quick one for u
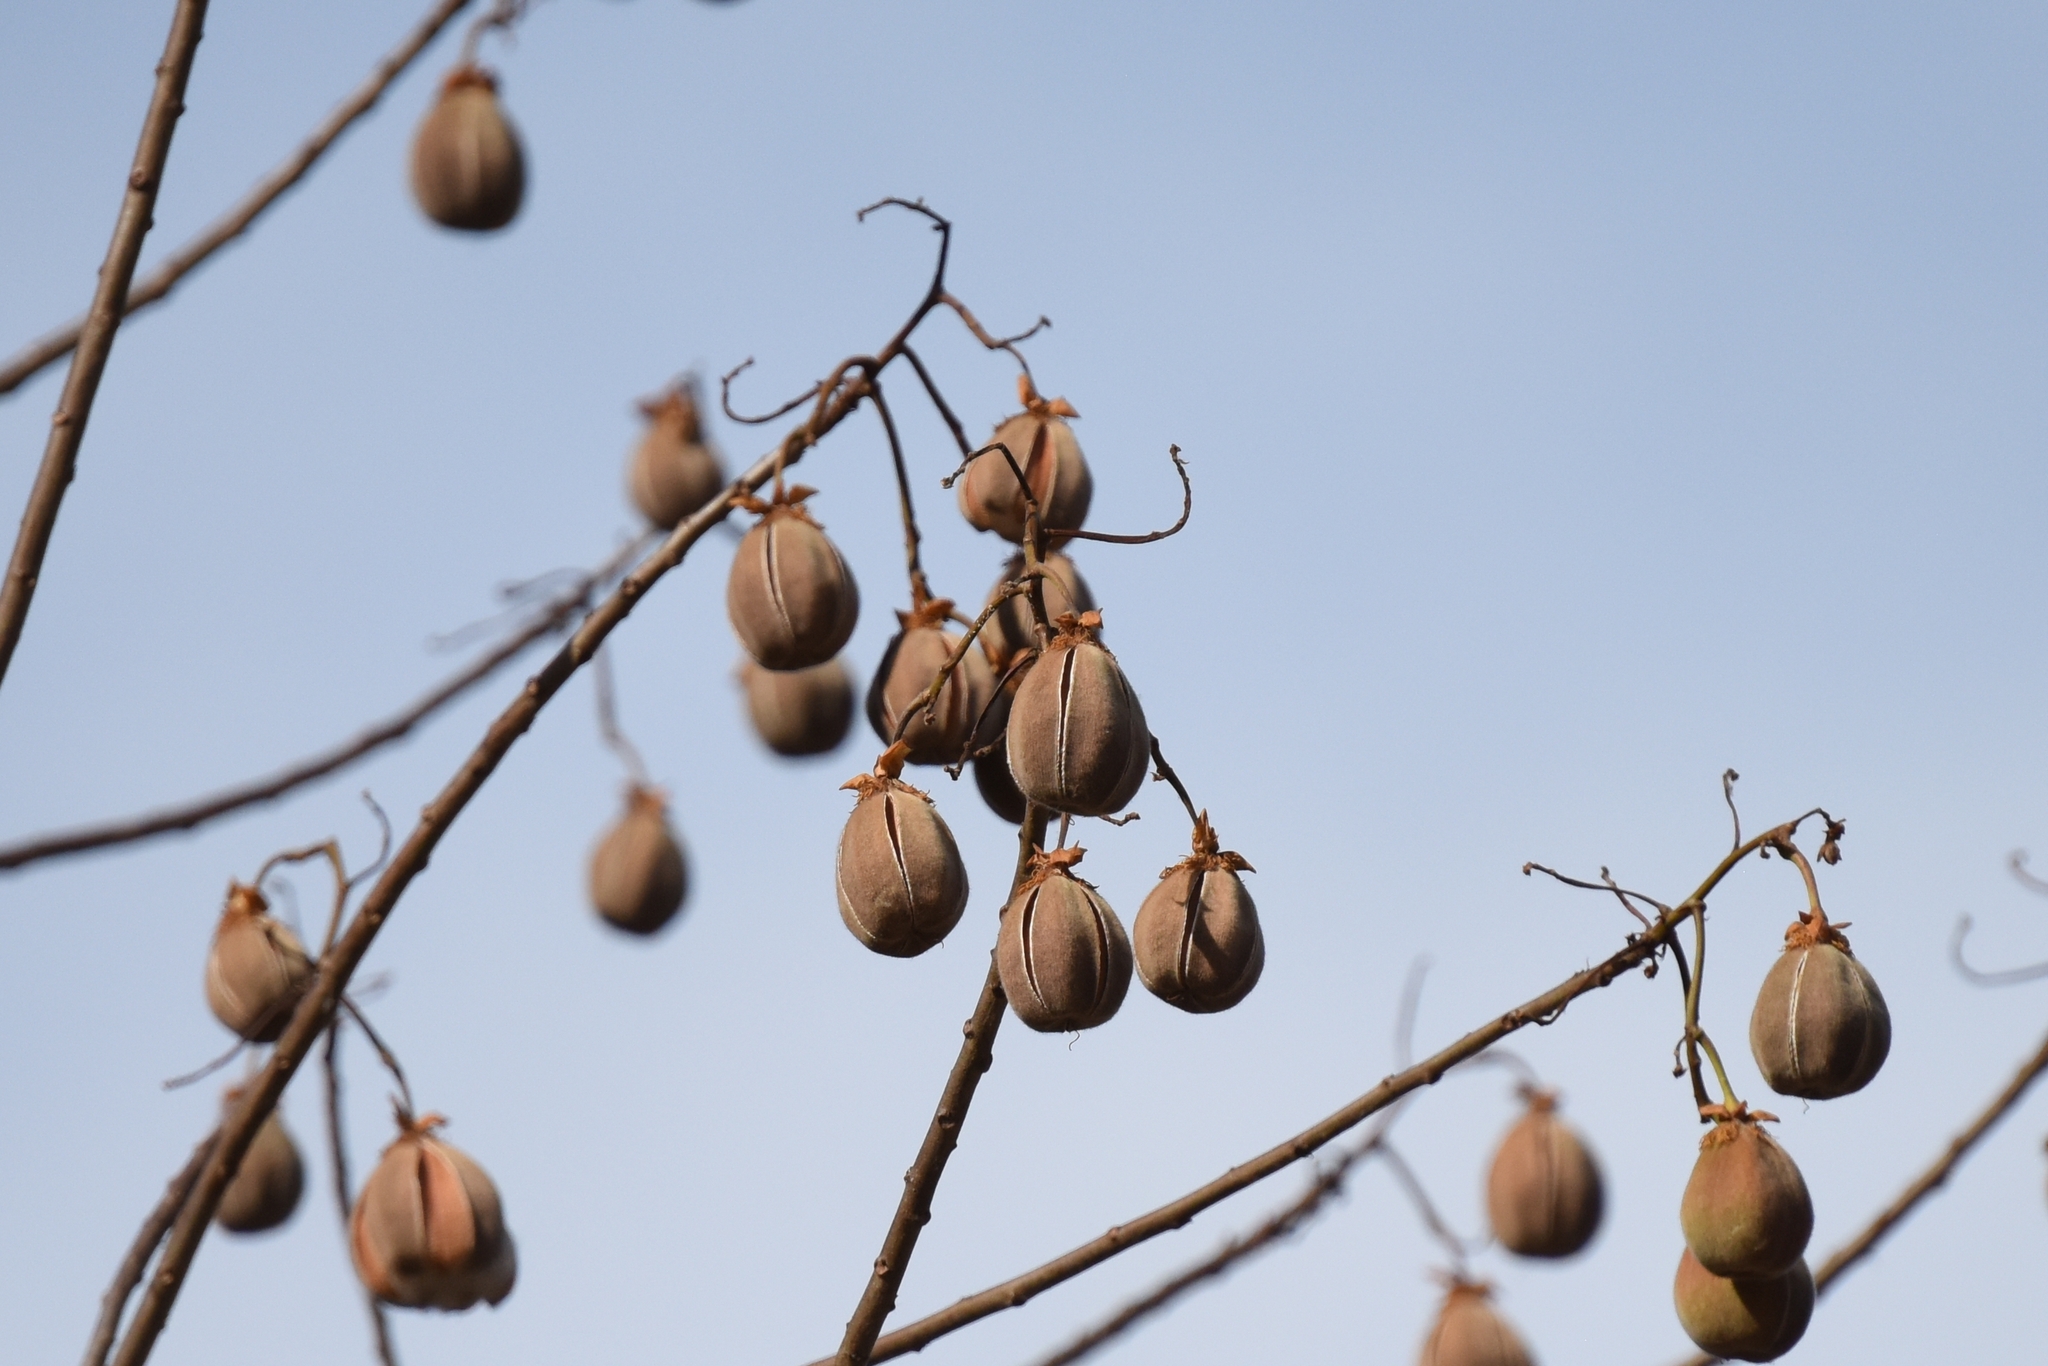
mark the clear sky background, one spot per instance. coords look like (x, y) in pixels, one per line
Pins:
(1581, 400)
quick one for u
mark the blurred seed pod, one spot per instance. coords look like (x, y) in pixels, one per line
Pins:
(1544, 1193)
(939, 733)
(1469, 1332)
(1061, 953)
(902, 885)
(1197, 937)
(1746, 1212)
(1077, 736)
(673, 472)
(265, 1189)
(638, 874)
(1820, 1028)
(1743, 1320)
(1011, 630)
(1043, 445)
(467, 168)
(799, 712)
(428, 1231)
(791, 598)
(257, 969)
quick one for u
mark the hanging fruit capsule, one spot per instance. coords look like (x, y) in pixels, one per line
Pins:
(467, 169)
(940, 732)
(673, 472)
(902, 885)
(992, 751)
(1743, 1320)
(1044, 448)
(1746, 1212)
(638, 875)
(1543, 1193)
(1469, 1332)
(265, 1189)
(799, 712)
(1011, 630)
(1820, 1028)
(428, 1231)
(791, 598)
(1077, 736)
(1197, 936)
(1061, 953)
(257, 969)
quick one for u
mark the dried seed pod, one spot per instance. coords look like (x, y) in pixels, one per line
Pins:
(1011, 630)
(1077, 735)
(1469, 1332)
(902, 885)
(638, 875)
(265, 1189)
(940, 732)
(1043, 446)
(428, 1231)
(1543, 1193)
(1820, 1028)
(673, 471)
(257, 969)
(791, 598)
(1061, 953)
(1197, 937)
(467, 168)
(1743, 1320)
(1746, 1212)
(797, 712)
(992, 751)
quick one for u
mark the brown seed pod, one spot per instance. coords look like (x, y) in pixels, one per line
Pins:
(638, 875)
(1746, 1320)
(902, 885)
(1011, 630)
(265, 1189)
(998, 789)
(428, 1231)
(257, 969)
(1820, 1028)
(1197, 938)
(940, 732)
(1746, 1212)
(467, 169)
(673, 472)
(791, 598)
(1469, 1332)
(1543, 1193)
(798, 712)
(1061, 953)
(1043, 446)
(1077, 735)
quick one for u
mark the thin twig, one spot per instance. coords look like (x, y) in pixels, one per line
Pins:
(920, 590)
(608, 720)
(1166, 774)
(2006, 978)
(384, 1053)
(939, 401)
(725, 398)
(1425, 1208)
(129, 1274)
(337, 1151)
(1728, 780)
(2018, 864)
(924, 700)
(1187, 506)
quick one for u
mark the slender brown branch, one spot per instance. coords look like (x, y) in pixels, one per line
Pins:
(931, 388)
(1167, 775)
(993, 343)
(129, 1274)
(337, 1152)
(608, 720)
(924, 700)
(920, 590)
(159, 282)
(2017, 863)
(725, 398)
(1187, 506)
(102, 321)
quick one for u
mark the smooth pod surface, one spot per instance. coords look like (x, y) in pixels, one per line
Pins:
(799, 712)
(1745, 1320)
(428, 1231)
(1044, 447)
(939, 733)
(1062, 955)
(1544, 1191)
(1011, 629)
(256, 970)
(1469, 1332)
(1077, 736)
(672, 472)
(468, 171)
(1746, 1212)
(1197, 938)
(1820, 1028)
(902, 884)
(638, 874)
(265, 1189)
(791, 599)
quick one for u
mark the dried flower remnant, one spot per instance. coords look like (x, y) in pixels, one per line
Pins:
(428, 1230)
(791, 599)
(1821, 1028)
(902, 884)
(1011, 630)
(265, 1189)
(468, 171)
(1043, 445)
(1197, 938)
(799, 712)
(1544, 1192)
(939, 733)
(257, 970)
(1077, 737)
(1757, 1319)
(1746, 1212)
(638, 873)
(673, 471)
(1062, 955)
(1468, 1332)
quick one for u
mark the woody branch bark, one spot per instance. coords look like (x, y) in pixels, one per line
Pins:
(102, 320)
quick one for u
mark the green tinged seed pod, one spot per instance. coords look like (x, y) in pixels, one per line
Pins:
(1543, 1193)
(1469, 1332)
(939, 733)
(257, 970)
(673, 471)
(1197, 938)
(1743, 1320)
(638, 874)
(902, 884)
(467, 169)
(1820, 1028)
(1061, 953)
(1077, 736)
(792, 600)
(1011, 630)
(265, 1189)
(428, 1230)
(1746, 1212)
(1043, 445)
(799, 712)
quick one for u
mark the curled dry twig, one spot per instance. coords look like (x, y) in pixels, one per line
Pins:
(1187, 506)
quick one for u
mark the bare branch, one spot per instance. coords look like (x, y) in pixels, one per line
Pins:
(129, 1274)
(337, 1152)
(1187, 505)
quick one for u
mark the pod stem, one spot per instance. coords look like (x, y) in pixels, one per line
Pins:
(1693, 1032)
(920, 588)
